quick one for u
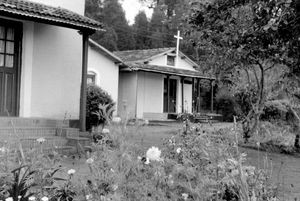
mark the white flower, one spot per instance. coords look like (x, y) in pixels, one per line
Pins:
(9, 199)
(105, 131)
(116, 120)
(31, 198)
(153, 154)
(88, 197)
(3, 149)
(185, 196)
(41, 140)
(178, 150)
(258, 144)
(114, 187)
(19, 197)
(44, 198)
(90, 161)
(146, 122)
(139, 158)
(147, 162)
(71, 171)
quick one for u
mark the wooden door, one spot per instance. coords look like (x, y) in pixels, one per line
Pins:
(9, 79)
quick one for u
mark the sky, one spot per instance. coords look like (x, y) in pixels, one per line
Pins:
(132, 8)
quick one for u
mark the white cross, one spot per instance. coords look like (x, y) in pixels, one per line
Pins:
(178, 37)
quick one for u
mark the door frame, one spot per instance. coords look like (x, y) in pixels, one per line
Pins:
(18, 26)
(166, 106)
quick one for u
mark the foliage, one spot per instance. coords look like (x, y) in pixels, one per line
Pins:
(96, 99)
(141, 31)
(197, 166)
(249, 38)
(227, 104)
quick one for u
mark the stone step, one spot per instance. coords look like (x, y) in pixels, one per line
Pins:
(32, 122)
(53, 142)
(74, 141)
(27, 132)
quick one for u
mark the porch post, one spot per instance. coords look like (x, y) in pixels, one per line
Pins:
(83, 91)
(182, 94)
(199, 96)
(212, 96)
(193, 95)
(168, 93)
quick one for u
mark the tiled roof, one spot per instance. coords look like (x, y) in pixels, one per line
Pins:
(140, 55)
(27, 10)
(163, 70)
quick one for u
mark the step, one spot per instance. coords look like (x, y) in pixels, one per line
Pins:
(32, 122)
(27, 132)
(74, 141)
(53, 142)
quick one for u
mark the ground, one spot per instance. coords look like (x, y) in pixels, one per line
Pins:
(285, 168)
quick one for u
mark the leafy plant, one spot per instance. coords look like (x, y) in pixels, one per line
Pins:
(99, 102)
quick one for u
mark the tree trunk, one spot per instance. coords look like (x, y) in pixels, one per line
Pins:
(297, 128)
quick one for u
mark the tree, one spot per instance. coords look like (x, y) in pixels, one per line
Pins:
(114, 17)
(248, 33)
(141, 31)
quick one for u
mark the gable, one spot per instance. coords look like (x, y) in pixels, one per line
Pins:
(184, 63)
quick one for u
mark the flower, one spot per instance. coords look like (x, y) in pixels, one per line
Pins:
(71, 171)
(147, 162)
(88, 197)
(114, 187)
(3, 149)
(139, 158)
(9, 199)
(116, 120)
(31, 198)
(153, 154)
(258, 144)
(105, 131)
(41, 140)
(146, 122)
(90, 161)
(44, 198)
(178, 150)
(185, 196)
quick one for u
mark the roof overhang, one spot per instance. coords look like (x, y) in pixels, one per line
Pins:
(164, 70)
(104, 51)
(31, 11)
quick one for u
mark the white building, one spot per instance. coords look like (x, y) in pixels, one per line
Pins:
(153, 86)
(43, 58)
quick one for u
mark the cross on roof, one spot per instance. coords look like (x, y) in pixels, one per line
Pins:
(178, 37)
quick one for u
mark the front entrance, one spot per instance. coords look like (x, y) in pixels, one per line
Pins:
(9, 67)
(170, 89)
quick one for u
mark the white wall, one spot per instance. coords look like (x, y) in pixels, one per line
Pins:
(73, 5)
(56, 72)
(127, 94)
(107, 73)
(162, 60)
(150, 93)
(26, 69)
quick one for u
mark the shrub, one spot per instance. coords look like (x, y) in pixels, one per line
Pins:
(227, 105)
(97, 97)
(275, 110)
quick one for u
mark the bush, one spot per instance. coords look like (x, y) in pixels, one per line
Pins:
(275, 110)
(95, 98)
(227, 105)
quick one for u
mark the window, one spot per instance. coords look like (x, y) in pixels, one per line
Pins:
(91, 78)
(170, 60)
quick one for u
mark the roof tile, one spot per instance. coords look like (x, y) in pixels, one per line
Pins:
(37, 11)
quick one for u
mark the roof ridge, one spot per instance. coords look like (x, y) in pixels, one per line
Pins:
(160, 48)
